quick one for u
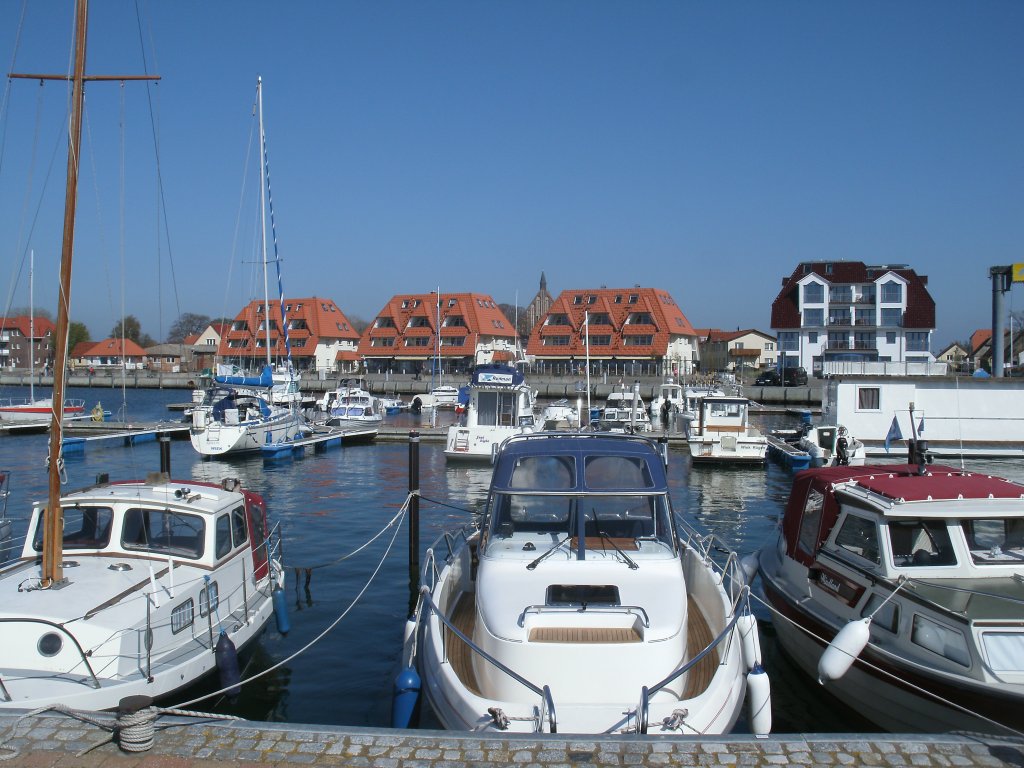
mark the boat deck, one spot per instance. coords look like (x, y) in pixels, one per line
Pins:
(698, 637)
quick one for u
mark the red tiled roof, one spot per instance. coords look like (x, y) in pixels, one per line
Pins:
(23, 324)
(112, 347)
(920, 305)
(667, 322)
(322, 318)
(478, 314)
(979, 338)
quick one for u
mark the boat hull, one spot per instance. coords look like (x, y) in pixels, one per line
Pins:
(219, 439)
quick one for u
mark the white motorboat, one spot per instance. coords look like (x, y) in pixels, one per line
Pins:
(625, 411)
(579, 607)
(443, 396)
(392, 405)
(128, 588)
(180, 563)
(349, 404)
(692, 398)
(830, 444)
(898, 586)
(500, 405)
(723, 435)
(560, 415)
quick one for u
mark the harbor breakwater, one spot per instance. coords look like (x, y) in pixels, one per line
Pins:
(548, 387)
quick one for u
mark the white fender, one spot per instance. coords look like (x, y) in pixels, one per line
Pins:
(749, 639)
(407, 641)
(843, 650)
(759, 701)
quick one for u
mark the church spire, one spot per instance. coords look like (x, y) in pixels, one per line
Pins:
(543, 282)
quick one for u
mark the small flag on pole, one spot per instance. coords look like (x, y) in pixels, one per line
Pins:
(894, 433)
(920, 426)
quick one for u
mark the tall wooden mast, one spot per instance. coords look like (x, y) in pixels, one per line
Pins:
(53, 523)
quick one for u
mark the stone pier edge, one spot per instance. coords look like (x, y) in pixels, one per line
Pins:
(48, 740)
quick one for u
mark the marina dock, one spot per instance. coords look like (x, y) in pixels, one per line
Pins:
(50, 739)
(321, 439)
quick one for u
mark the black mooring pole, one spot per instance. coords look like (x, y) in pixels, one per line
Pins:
(414, 521)
(165, 453)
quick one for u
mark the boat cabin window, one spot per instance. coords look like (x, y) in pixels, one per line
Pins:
(84, 528)
(994, 541)
(623, 472)
(887, 616)
(239, 532)
(626, 517)
(495, 409)
(859, 536)
(544, 473)
(163, 531)
(532, 513)
(810, 523)
(222, 547)
(920, 543)
(726, 409)
(582, 594)
(938, 638)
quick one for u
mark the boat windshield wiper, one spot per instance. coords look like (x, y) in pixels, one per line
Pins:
(551, 551)
(632, 566)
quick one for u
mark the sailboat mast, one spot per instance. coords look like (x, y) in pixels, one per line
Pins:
(53, 533)
(263, 212)
(31, 329)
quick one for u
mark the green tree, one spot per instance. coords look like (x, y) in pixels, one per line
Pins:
(187, 324)
(129, 328)
(77, 333)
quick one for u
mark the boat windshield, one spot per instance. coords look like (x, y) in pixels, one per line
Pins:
(995, 541)
(918, 543)
(164, 532)
(84, 528)
(597, 517)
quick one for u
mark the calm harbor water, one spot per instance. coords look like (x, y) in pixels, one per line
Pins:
(333, 502)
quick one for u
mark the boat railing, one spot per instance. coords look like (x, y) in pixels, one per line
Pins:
(643, 708)
(730, 573)
(56, 628)
(547, 705)
(429, 572)
(589, 608)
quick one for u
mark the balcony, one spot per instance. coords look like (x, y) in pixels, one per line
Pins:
(839, 322)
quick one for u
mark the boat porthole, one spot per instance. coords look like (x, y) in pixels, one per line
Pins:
(119, 567)
(50, 644)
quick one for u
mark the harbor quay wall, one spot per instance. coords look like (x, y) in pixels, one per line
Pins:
(548, 387)
(49, 740)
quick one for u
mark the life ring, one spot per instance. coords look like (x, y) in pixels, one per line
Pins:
(97, 412)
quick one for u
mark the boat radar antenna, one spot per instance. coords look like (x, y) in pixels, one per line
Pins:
(52, 571)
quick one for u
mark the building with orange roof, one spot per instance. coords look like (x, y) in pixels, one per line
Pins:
(24, 343)
(109, 353)
(459, 330)
(318, 334)
(629, 331)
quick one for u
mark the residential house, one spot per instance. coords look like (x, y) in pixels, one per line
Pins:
(25, 342)
(449, 332)
(205, 345)
(624, 331)
(170, 358)
(955, 356)
(852, 311)
(735, 350)
(109, 353)
(318, 334)
(1013, 350)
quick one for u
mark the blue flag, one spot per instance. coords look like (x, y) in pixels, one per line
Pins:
(920, 427)
(894, 433)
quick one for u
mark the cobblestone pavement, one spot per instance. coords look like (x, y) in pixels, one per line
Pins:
(47, 740)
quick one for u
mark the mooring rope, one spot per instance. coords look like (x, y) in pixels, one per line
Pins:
(897, 679)
(133, 731)
(360, 548)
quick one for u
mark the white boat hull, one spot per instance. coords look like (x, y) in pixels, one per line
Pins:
(217, 439)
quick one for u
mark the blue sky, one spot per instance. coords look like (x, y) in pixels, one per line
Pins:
(703, 147)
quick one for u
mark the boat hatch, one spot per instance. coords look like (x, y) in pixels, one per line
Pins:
(582, 594)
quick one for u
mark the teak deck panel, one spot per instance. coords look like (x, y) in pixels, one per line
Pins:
(698, 637)
(459, 654)
(584, 635)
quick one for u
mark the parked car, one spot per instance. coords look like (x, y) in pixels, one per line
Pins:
(769, 378)
(793, 377)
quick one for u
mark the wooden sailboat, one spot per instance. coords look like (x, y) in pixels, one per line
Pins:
(128, 588)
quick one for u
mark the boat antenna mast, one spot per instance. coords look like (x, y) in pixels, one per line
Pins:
(53, 523)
